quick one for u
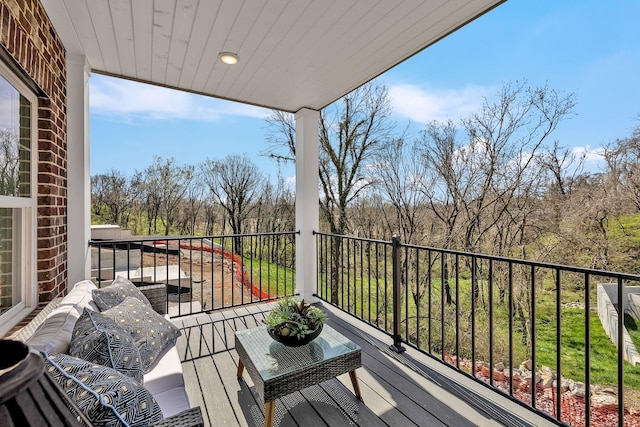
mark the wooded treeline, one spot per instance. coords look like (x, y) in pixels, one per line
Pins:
(497, 182)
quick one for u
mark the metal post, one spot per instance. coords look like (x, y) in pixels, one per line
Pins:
(395, 261)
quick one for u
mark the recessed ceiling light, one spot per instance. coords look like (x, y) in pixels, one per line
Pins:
(229, 58)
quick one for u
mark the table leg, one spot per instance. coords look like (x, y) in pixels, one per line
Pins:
(240, 369)
(269, 412)
(356, 386)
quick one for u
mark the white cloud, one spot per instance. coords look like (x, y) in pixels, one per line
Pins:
(424, 105)
(124, 98)
(593, 158)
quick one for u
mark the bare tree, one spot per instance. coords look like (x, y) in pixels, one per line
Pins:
(191, 207)
(234, 183)
(165, 185)
(623, 164)
(9, 163)
(112, 189)
(351, 130)
(481, 176)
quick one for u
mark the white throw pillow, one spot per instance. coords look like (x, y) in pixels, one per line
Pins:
(54, 334)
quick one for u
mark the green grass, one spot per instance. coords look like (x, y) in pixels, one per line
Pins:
(272, 278)
(633, 328)
(604, 354)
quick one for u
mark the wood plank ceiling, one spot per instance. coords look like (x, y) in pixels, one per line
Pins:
(293, 53)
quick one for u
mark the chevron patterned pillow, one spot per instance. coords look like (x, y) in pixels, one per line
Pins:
(99, 339)
(107, 397)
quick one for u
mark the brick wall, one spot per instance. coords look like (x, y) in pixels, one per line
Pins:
(27, 34)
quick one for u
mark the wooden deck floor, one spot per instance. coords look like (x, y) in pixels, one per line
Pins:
(398, 390)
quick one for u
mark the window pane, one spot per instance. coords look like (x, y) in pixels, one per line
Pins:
(15, 142)
(9, 295)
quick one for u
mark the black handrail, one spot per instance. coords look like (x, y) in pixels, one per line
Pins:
(250, 268)
(404, 283)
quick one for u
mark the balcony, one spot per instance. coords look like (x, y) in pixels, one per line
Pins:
(458, 354)
(397, 389)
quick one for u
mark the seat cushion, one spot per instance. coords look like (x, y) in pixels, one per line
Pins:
(107, 397)
(172, 401)
(114, 294)
(99, 339)
(166, 374)
(153, 333)
(54, 334)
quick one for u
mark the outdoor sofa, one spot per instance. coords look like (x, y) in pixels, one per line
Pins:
(112, 350)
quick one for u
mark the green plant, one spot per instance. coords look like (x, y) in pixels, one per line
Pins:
(293, 318)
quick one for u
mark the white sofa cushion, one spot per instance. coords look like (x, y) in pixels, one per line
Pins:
(166, 383)
(54, 334)
(172, 401)
(166, 374)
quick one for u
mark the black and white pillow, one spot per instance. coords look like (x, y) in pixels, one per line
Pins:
(99, 339)
(115, 294)
(107, 397)
(152, 332)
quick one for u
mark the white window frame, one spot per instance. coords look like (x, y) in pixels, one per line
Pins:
(24, 221)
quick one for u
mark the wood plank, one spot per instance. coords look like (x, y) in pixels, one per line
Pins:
(377, 379)
(450, 401)
(142, 36)
(240, 397)
(218, 406)
(331, 412)
(123, 31)
(192, 386)
(185, 14)
(382, 411)
(301, 410)
(362, 412)
(400, 385)
(396, 389)
(104, 31)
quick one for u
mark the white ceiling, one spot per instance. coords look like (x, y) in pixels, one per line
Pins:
(293, 53)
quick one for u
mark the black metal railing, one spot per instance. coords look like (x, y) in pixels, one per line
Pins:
(528, 330)
(202, 273)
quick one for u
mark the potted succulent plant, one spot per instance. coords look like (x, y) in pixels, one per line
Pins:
(295, 323)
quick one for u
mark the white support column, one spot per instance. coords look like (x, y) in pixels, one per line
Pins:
(78, 170)
(307, 202)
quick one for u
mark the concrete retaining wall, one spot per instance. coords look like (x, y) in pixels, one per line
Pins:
(608, 314)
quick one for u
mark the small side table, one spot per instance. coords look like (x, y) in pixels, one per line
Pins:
(278, 370)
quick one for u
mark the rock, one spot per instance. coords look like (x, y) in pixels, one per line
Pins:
(547, 371)
(499, 367)
(604, 399)
(530, 379)
(546, 381)
(578, 389)
(526, 365)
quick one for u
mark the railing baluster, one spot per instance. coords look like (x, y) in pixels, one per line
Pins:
(474, 284)
(429, 302)
(457, 273)
(510, 329)
(395, 257)
(587, 352)
(442, 306)
(558, 347)
(533, 337)
(419, 302)
(621, 311)
(491, 322)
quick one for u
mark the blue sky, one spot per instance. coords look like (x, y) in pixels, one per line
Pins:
(588, 47)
